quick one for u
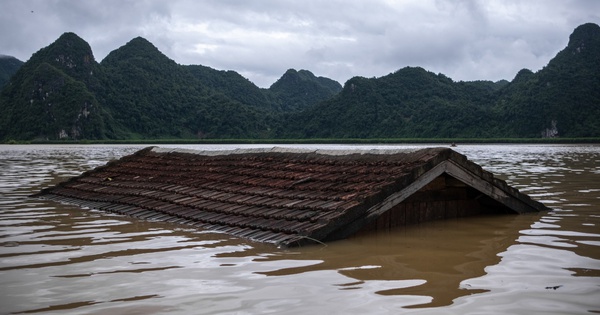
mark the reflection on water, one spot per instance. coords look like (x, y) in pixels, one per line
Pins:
(59, 259)
(418, 261)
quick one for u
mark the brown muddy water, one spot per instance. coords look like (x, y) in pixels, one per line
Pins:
(60, 259)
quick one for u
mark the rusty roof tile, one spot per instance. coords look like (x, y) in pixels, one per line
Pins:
(284, 197)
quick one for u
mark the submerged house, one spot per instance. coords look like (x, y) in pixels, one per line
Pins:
(291, 197)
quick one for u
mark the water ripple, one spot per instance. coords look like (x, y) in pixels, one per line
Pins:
(60, 259)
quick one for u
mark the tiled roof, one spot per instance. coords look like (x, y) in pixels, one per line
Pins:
(286, 198)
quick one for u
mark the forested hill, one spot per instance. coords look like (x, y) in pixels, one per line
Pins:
(51, 96)
(296, 90)
(8, 66)
(137, 92)
(154, 97)
(409, 103)
(560, 100)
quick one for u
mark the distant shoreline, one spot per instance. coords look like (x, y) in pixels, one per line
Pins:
(445, 141)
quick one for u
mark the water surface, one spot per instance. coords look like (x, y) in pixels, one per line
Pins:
(60, 259)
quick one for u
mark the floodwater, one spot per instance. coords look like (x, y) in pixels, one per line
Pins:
(61, 259)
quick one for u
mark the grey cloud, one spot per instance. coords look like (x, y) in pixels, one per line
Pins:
(466, 40)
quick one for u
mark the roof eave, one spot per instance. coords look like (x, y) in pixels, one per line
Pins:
(459, 168)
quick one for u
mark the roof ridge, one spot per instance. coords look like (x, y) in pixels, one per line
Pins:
(278, 149)
(276, 194)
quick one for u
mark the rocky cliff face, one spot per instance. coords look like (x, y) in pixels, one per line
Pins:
(50, 96)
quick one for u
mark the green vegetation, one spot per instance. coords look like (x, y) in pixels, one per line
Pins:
(565, 93)
(410, 103)
(138, 95)
(563, 99)
(8, 66)
(296, 90)
(440, 141)
(156, 98)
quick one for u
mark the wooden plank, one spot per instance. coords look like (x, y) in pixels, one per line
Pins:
(401, 195)
(439, 210)
(412, 214)
(451, 209)
(423, 214)
(514, 202)
(461, 208)
(384, 222)
(398, 214)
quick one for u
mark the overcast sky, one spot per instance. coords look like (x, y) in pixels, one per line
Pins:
(463, 39)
